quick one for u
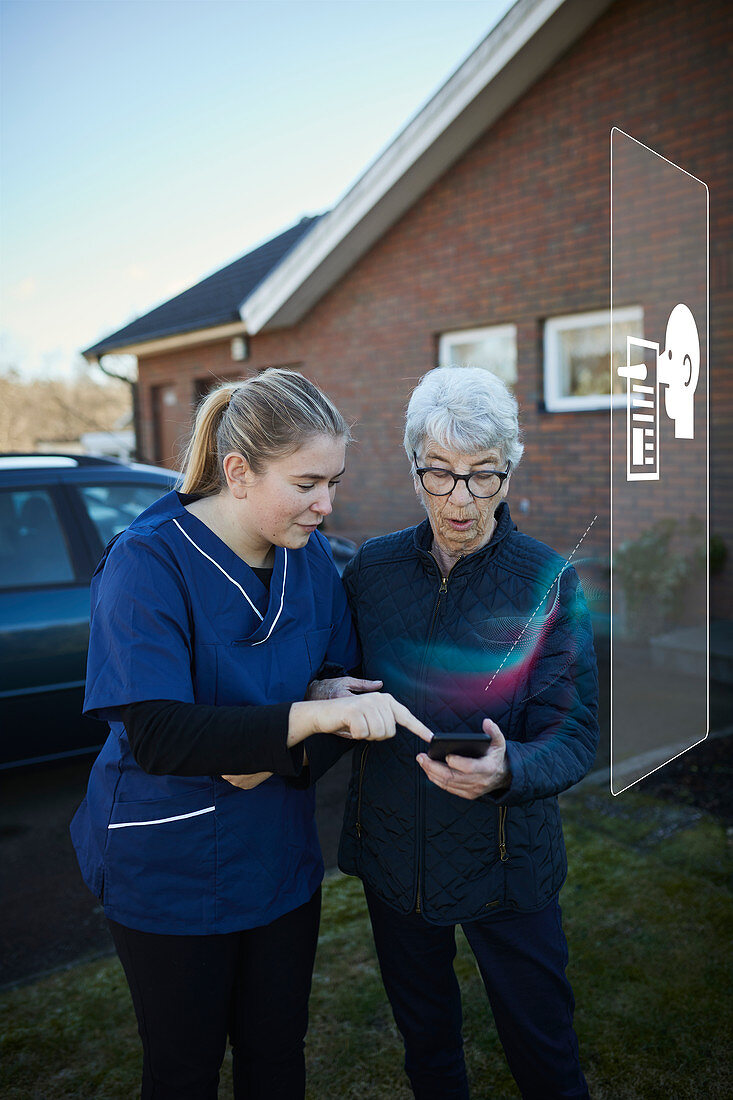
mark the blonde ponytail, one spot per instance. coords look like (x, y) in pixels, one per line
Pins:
(266, 416)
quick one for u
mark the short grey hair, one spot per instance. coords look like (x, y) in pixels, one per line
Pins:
(466, 409)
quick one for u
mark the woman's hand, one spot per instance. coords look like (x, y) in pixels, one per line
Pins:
(469, 778)
(373, 716)
(359, 712)
(247, 782)
(340, 687)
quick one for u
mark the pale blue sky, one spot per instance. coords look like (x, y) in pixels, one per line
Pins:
(145, 143)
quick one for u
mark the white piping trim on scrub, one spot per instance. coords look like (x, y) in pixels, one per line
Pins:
(216, 563)
(282, 601)
(161, 820)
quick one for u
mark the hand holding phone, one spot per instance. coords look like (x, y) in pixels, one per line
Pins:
(447, 763)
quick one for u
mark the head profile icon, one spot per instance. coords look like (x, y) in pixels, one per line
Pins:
(678, 368)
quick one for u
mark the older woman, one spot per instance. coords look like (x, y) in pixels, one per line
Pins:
(475, 627)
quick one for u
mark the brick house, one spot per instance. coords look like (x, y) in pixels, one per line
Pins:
(480, 232)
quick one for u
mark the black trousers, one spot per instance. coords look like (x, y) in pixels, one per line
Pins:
(191, 992)
(522, 959)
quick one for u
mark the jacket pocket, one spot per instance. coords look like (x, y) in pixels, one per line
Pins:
(278, 671)
(316, 642)
(360, 789)
(503, 854)
(465, 855)
(160, 858)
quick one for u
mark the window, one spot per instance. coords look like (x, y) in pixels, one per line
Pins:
(33, 549)
(494, 348)
(112, 508)
(239, 348)
(577, 369)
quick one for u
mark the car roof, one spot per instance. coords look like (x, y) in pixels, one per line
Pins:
(20, 468)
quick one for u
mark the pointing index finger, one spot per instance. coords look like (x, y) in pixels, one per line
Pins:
(407, 719)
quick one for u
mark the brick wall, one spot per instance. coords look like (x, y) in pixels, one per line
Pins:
(517, 231)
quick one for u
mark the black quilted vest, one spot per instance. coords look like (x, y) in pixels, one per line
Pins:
(506, 636)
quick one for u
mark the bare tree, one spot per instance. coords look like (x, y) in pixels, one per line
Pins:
(32, 411)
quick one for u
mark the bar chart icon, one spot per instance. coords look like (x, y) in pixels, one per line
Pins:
(642, 409)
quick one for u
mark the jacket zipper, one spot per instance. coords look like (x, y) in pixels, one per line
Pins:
(502, 834)
(441, 592)
(420, 799)
(362, 764)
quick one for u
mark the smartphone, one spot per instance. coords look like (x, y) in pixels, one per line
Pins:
(462, 744)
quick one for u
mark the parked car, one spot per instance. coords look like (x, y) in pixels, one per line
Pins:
(57, 513)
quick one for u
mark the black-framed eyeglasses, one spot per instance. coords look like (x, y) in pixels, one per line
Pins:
(482, 484)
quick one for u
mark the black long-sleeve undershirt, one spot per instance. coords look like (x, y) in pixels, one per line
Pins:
(173, 738)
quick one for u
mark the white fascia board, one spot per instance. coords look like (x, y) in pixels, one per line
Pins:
(532, 35)
(172, 343)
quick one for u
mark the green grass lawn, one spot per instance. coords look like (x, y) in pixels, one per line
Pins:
(648, 916)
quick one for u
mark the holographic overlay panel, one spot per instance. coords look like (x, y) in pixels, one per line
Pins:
(659, 462)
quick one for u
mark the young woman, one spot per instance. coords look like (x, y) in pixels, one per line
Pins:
(211, 616)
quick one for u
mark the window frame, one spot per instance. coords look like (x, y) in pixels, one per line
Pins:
(466, 335)
(554, 400)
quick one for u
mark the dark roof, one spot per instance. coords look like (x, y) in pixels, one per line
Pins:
(216, 300)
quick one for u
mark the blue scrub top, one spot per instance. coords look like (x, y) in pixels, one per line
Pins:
(176, 614)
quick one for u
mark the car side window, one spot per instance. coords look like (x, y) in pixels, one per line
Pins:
(113, 507)
(33, 548)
